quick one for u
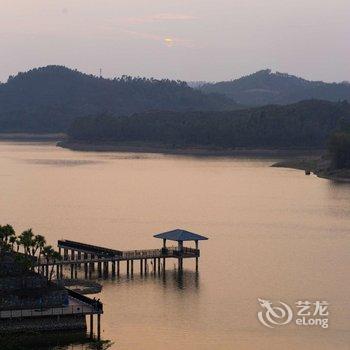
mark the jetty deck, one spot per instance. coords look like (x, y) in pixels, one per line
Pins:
(87, 257)
(75, 254)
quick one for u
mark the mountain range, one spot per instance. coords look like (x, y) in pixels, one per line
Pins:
(48, 99)
(265, 87)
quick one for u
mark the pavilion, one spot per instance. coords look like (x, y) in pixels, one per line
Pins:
(181, 236)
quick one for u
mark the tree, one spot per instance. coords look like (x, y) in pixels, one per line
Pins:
(38, 244)
(12, 241)
(55, 256)
(339, 148)
(26, 239)
(8, 232)
(6, 236)
(50, 255)
(33, 248)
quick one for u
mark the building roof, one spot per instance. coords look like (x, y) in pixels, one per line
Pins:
(180, 235)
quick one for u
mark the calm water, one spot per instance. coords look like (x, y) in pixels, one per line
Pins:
(274, 234)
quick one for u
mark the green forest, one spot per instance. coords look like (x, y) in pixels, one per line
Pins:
(339, 146)
(307, 124)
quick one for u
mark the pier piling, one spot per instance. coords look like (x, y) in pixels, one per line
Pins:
(91, 325)
(98, 326)
(113, 268)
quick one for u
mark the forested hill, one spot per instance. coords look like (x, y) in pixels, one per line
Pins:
(265, 87)
(306, 124)
(48, 99)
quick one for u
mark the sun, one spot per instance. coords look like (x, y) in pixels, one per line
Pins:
(169, 41)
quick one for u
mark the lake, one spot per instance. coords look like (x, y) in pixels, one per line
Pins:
(274, 234)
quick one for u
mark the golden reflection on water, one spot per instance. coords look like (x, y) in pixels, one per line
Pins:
(273, 233)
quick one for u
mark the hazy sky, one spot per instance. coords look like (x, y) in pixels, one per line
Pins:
(181, 39)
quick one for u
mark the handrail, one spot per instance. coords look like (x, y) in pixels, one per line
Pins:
(128, 254)
(88, 247)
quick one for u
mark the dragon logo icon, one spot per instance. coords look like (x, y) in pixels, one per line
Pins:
(272, 316)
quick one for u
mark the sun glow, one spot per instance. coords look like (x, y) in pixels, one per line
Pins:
(169, 41)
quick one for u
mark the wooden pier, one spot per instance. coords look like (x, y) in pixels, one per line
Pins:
(90, 258)
(78, 256)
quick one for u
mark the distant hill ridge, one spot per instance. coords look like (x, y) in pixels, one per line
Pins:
(265, 87)
(47, 99)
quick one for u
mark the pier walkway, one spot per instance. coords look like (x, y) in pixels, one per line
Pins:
(75, 254)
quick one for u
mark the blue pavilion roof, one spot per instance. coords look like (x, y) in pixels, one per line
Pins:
(180, 235)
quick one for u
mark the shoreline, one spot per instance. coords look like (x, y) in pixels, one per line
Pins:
(32, 137)
(300, 159)
(194, 151)
(320, 166)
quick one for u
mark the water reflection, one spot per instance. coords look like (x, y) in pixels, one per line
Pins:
(184, 280)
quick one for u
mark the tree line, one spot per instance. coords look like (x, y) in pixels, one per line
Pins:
(29, 248)
(339, 146)
(307, 124)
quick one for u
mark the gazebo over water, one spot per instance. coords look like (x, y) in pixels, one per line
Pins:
(181, 236)
(89, 255)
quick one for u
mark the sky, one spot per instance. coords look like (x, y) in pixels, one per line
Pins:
(196, 40)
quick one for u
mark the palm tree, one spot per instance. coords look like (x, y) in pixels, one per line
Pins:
(33, 246)
(18, 243)
(55, 256)
(12, 241)
(1, 234)
(49, 254)
(26, 239)
(38, 244)
(8, 232)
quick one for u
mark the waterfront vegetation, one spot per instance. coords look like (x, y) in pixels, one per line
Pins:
(333, 164)
(304, 125)
(28, 248)
(339, 148)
